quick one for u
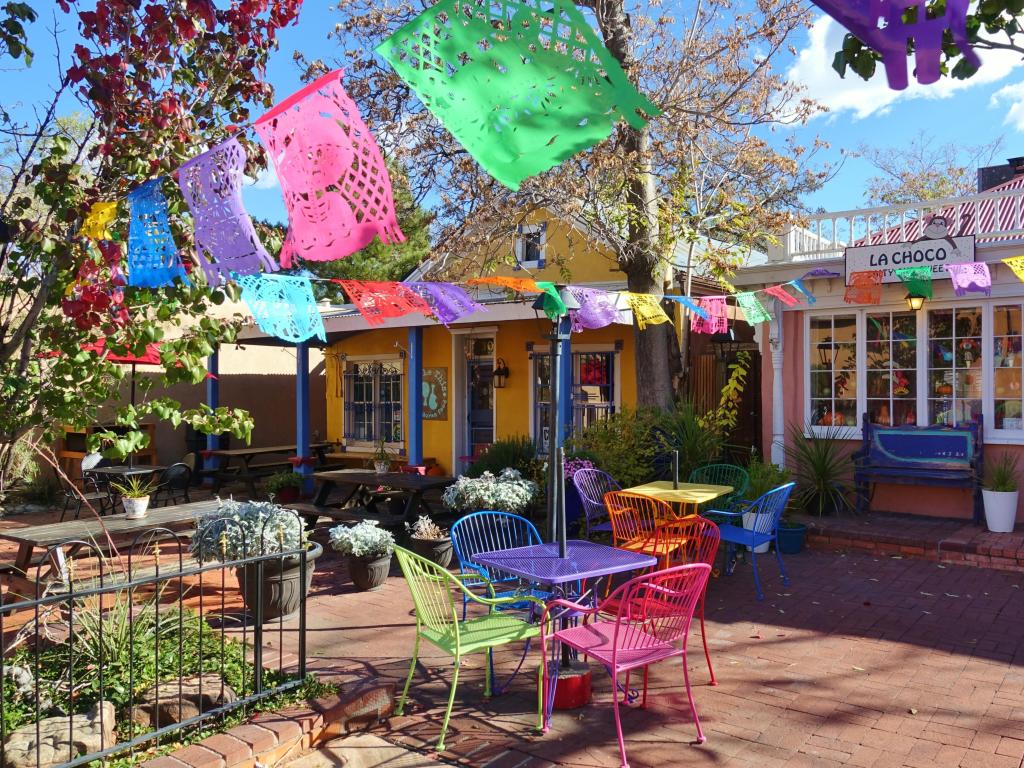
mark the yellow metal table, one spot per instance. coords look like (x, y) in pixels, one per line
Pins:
(685, 495)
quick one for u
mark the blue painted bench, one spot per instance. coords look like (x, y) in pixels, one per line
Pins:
(949, 457)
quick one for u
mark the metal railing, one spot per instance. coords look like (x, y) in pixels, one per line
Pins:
(124, 636)
(990, 216)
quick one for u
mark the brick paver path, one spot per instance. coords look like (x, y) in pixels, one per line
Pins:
(863, 661)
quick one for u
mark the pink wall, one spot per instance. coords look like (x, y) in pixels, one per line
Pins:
(912, 499)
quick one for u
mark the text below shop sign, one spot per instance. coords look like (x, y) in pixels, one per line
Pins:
(936, 250)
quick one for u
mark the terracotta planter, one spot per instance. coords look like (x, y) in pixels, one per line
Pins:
(281, 584)
(369, 572)
(435, 550)
(287, 495)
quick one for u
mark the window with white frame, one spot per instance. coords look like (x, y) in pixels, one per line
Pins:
(373, 401)
(891, 367)
(947, 364)
(954, 365)
(833, 370)
(1006, 367)
(593, 391)
(531, 241)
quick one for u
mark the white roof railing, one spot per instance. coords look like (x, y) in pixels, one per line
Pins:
(994, 216)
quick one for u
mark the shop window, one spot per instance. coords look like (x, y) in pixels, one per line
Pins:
(373, 402)
(954, 365)
(891, 367)
(593, 389)
(531, 241)
(833, 370)
(1006, 367)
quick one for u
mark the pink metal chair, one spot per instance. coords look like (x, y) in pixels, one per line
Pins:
(651, 623)
(679, 542)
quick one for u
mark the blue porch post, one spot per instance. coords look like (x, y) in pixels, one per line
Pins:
(564, 379)
(414, 442)
(213, 401)
(302, 452)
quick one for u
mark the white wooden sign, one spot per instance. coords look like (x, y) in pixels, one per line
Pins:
(934, 252)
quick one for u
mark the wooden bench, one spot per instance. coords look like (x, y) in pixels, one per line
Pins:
(949, 457)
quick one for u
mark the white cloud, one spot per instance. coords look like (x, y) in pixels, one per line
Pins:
(267, 179)
(1014, 96)
(813, 69)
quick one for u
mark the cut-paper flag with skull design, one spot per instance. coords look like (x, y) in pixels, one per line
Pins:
(333, 178)
(226, 241)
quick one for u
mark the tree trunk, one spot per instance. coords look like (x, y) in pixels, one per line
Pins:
(640, 259)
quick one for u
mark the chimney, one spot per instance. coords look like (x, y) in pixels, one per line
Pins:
(994, 175)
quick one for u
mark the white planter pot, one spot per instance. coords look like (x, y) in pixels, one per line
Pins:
(1000, 510)
(135, 509)
(748, 523)
(381, 467)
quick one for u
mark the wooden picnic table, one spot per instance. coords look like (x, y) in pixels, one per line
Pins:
(60, 541)
(361, 485)
(250, 472)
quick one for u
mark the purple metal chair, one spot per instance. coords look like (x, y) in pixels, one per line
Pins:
(592, 485)
(767, 511)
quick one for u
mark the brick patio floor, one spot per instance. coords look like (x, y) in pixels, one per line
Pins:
(863, 661)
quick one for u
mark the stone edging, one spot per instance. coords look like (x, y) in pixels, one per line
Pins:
(270, 737)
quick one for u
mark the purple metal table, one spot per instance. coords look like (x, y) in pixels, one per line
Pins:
(541, 564)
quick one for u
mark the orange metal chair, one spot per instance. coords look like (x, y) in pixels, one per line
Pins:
(635, 519)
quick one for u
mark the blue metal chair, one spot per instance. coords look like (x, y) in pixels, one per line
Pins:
(489, 532)
(767, 511)
(592, 485)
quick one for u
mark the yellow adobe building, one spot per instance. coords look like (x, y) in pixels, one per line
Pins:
(486, 376)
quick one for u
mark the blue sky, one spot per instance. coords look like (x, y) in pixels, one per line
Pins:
(969, 112)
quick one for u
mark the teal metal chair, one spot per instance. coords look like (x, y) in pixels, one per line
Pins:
(437, 621)
(723, 474)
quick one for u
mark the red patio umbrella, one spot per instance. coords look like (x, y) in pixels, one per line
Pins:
(150, 357)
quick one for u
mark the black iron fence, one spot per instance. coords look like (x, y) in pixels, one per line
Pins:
(117, 652)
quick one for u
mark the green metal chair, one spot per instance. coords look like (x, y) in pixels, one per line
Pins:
(722, 474)
(433, 591)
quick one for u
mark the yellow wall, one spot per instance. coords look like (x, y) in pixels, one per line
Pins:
(512, 403)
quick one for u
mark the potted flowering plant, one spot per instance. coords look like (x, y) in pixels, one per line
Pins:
(283, 486)
(239, 530)
(430, 540)
(505, 492)
(369, 549)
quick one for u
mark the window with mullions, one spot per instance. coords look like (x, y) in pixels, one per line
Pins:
(1006, 366)
(954, 365)
(891, 368)
(593, 388)
(373, 402)
(833, 370)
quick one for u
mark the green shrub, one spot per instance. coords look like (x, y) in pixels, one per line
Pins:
(621, 445)
(764, 476)
(699, 439)
(518, 452)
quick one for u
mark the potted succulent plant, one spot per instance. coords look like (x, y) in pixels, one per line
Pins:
(134, 492)
(283, 487)
(505, 492)
(381, 458)
(1000, 494)
(369, 549)
(430, 540)
(240, 530)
